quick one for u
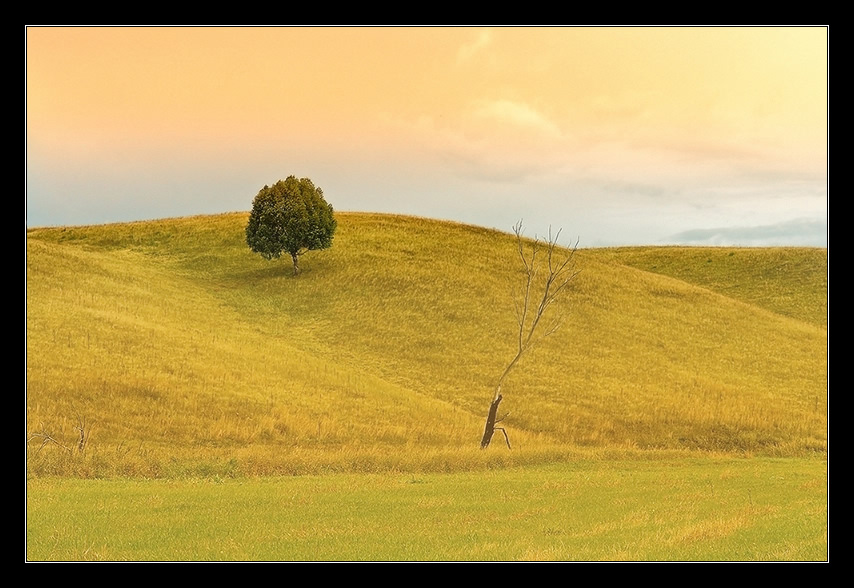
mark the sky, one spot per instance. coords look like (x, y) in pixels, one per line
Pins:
(617, 136)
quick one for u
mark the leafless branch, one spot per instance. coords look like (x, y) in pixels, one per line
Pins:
(531, 308)
(83, 439)
(46, 439)
(561, 271)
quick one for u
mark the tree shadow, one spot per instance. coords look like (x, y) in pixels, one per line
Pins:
(273, 272)
(265, 274)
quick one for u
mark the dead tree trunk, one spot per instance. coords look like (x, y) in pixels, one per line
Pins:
(491, 421)
(530, 309)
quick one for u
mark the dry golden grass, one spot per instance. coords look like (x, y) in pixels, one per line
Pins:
(187, 354)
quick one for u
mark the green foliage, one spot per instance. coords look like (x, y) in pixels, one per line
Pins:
(291, 216)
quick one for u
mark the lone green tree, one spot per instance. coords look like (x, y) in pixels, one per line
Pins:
(292, 217)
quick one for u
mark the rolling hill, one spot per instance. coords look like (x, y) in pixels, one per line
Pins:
(177, 351)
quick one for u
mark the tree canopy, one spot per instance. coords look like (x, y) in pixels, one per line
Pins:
(291, 216)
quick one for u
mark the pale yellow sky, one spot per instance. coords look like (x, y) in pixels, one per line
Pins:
(573, 108)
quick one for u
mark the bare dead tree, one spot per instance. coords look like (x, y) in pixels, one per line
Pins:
(491, 420)
(83, 439)
(48, 438)
(531, 307)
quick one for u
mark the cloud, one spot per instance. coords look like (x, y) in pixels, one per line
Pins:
(802, 231)
(497, 141)
(519, 115)
(469, 50)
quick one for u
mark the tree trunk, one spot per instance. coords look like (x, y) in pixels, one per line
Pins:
(295, 257)
(490, 428)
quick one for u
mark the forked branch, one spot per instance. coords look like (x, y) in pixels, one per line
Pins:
(46, 438)
(531, 305)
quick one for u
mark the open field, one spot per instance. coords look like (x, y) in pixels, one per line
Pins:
(662, 509)
(189, 360)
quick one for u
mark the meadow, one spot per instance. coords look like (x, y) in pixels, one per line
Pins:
(683, 509)
(189, 363)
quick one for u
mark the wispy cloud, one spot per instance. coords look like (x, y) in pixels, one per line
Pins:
(800, 231)
(470, 152)
(469, 50)
(518, 114)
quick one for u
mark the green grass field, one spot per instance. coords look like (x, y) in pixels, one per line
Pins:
(189, 360)
(684, 509)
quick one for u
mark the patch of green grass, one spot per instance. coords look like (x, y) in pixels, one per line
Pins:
(662, 508)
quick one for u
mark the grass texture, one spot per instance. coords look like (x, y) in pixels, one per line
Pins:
(182, 352)
(687, 509)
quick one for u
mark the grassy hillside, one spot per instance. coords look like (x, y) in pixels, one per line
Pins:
(183, 352)
(788, 281)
